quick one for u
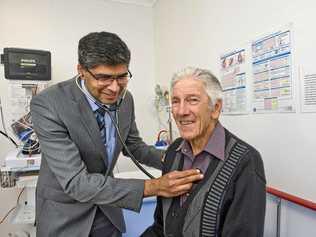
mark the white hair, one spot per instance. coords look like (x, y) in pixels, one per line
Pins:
(212, 85)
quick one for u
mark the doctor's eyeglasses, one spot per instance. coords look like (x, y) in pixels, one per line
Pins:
(106, 79)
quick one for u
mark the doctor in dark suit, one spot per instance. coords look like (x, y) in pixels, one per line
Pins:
(77, 194)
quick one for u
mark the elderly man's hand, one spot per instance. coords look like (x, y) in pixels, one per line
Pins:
(172, 184)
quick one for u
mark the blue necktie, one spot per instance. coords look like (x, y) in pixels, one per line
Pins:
(100, 120)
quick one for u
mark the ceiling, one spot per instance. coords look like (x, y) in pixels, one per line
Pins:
(146, 3)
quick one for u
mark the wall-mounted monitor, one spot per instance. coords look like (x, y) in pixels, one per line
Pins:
(27, 64)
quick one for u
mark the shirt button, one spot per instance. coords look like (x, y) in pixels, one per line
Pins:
(187, 194)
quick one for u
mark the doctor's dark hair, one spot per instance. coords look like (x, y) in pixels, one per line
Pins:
(102, 48)
(212, 85)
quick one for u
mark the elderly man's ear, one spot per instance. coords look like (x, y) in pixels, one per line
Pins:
(217, 109)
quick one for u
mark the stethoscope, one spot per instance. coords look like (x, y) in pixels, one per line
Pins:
(108, 110)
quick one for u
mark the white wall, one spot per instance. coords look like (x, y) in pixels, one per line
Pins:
(183, 32)
(295, 220)
(195, 33)
(57, 25)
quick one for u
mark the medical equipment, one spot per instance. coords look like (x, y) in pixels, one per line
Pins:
(26, 64)
(108, 110)
(162, 105)
(23, 129)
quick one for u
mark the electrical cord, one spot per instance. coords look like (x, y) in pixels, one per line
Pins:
(2, 118)
(4, 132)
(13, 208)
(10, 138)
(159, 134)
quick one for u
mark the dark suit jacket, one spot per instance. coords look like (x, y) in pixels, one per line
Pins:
(74, 179)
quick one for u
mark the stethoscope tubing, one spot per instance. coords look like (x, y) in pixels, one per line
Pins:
(105, 108)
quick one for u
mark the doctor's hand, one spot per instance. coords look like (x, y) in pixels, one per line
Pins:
(172, 184)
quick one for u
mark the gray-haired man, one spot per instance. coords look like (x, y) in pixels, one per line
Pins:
(230, 200)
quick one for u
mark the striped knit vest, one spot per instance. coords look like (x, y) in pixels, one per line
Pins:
(202, 217)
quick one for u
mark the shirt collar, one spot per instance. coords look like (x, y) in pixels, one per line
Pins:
(214, 146)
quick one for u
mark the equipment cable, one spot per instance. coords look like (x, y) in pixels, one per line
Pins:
(13, 208)
(4, 132)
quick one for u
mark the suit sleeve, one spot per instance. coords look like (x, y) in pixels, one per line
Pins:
(245, 216)
(145, 154)
(64, 161)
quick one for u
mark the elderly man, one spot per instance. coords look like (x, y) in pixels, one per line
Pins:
(230, 200)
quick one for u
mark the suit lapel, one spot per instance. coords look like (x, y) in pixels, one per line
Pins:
(89, 121)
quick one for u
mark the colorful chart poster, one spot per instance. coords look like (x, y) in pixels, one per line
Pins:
(233, 80)
(273, 89)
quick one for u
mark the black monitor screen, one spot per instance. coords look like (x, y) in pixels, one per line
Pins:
(27, 64)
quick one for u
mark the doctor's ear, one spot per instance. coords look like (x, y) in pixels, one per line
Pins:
(80, 70)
